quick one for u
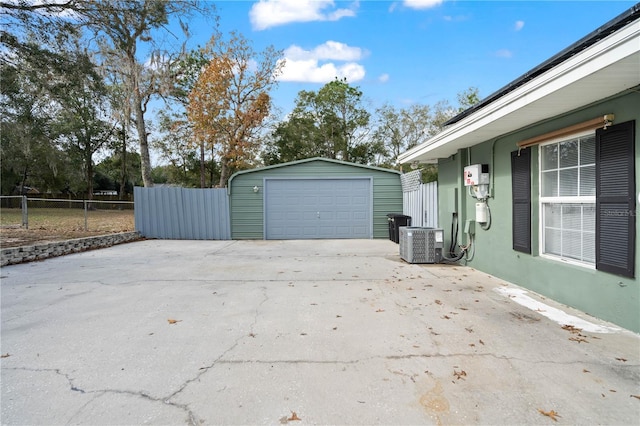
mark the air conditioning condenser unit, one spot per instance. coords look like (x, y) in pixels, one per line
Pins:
(421, 245)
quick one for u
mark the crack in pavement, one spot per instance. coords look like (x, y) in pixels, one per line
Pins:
(205, 369)
(292, 361)
(221, 249)
(407, 356)
(192, 419)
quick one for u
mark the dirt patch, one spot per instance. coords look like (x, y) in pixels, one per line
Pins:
(50, 225)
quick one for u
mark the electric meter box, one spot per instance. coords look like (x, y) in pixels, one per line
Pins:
(476, 174)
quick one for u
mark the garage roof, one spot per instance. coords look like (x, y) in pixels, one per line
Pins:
(602, 64)
(309, 160)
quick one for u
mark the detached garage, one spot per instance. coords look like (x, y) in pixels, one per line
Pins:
(313, 199)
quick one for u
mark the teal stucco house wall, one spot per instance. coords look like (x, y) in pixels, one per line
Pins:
(561, 147)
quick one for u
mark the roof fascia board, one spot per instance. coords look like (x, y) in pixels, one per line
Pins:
(607, 52)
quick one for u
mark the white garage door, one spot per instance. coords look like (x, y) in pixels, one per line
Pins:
(318, 208)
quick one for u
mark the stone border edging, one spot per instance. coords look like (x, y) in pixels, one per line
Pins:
(13, 255)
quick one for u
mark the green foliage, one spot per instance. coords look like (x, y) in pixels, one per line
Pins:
(330, 123)
(37, 34)
(429, 173)
(57, 113)
(468, 98)
(108, 172)
(398, 130)
(80, 125)
(27, 156)
(185, 164)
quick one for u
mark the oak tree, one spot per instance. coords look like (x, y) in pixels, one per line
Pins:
(230, 100)
(331, 123)
(125, 28)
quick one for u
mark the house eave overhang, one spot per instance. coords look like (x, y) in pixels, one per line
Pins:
(604, 69)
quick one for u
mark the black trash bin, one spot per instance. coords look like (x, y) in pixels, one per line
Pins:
(396, 220)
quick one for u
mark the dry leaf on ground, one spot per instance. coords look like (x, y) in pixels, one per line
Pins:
(579, 339)
(460, 374)
(571, 328)
(551, 414)
(293, 417)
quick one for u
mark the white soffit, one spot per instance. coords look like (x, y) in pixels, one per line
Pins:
(604, 69)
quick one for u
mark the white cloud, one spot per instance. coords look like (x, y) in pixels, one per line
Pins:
(421, 4)
(311, 71)
(383, 78)
(330, 50)
(318, 65)
(518, 25)
(270, 13)
(504, 53)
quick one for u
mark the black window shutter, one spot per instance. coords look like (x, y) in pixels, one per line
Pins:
(615, 199)
(521, 196)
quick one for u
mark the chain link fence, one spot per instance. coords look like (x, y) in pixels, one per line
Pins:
(66, 215)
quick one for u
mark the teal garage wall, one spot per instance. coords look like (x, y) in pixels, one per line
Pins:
(247, 207)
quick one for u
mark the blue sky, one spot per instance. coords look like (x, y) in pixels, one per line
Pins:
(411, 51)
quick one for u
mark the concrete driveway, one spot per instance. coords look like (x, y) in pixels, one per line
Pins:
(337, 332)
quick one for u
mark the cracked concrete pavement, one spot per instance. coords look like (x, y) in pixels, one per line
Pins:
(337, 332)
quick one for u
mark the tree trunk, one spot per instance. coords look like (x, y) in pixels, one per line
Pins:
(89, 178)
(223, 172)
(202, 170)
(24, 180)
(211, 168)
(145, 160)
(123, 169)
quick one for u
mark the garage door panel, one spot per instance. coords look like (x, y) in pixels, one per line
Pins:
(318, 208)
(308, 215)
(359, 216)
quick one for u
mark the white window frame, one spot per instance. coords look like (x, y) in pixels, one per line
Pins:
(560, 200)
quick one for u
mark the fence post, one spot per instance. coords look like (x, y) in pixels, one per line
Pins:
(85, 214)
(25, 215)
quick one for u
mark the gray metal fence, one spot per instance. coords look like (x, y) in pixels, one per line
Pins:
(421, 203)
(182, 213)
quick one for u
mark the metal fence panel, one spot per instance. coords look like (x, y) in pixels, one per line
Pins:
(422, 205)
(182, 213)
